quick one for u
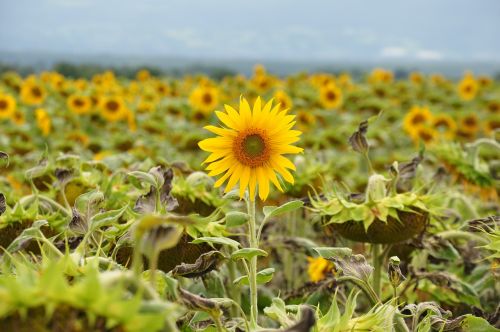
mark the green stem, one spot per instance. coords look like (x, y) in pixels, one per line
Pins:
(218, 324)
(252, 276)
(153, 266)
(234, 293)
(377, 264)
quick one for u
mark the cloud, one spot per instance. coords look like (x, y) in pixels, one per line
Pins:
(394, 52)
(429, 55)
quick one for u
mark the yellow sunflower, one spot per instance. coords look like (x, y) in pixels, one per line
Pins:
(250, 148)
(330, 96)
(416, 77)
(7, 106)
(485, 81)
(318, 268)
(305, 120)
(444, 125)
(284, 99)
(204, 98)
(491, 125)
(468, 88)
(380, 75)
(113, 108)
(43, 121)
(79, 104)
(143, 75)
(469, 124)
(416, 117)
(18, 118)
(32, 93)
(494, 106)
(424, 134)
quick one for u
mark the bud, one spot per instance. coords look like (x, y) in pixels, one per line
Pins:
(236, 218)
(394, 272)
(358, 140)
(376, 189)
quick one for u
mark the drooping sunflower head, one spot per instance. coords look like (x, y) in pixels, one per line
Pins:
(251, 146)
(79, 104)
(330, 96)
(468, 88)
(113, 108)
(7, 106)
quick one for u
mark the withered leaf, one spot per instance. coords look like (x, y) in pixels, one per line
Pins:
(147, 203)
(78, 223)
(197, 302)
(307, 320)
(3, 205)
(204, 264)
(358, 140)
(354, 266)
(63, 175)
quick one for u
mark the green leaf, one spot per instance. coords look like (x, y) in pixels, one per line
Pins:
(106, 218)
(273, 211)
(27, 234)
(235, 219)
(248, 253)
(472, 323)
(263, 277)
(218, 240)
(144, 177)
(331, 252)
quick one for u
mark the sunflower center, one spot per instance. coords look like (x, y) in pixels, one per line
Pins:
(251, 148)
(3, 105)
(78, 102)
(207, 98)
(330, 95)
(418, 118)
(442, 123)
(470, 121)
(36, 92)
(112, 106)
(426, 136)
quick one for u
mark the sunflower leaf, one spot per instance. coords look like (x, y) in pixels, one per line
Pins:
(273, 211)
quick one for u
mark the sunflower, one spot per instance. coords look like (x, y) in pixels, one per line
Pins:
(424, 134)
(18, 118)
(305, 120)
(250, 147)
(113, 108)
(468, 88)
(32, 93)
(43, 121)
(79, 104)
(416, 117)
(330, 96)
(491, 125)
(416, 77)
(380, 75)
(469, 124)
(437, 79)
(204, 98)
(318, 268)
(484, 81)
(143, 75)
(444, 125)
(284, 99)
(494, 106)
(7, 106)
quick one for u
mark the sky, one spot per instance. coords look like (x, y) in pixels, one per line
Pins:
(423, 30)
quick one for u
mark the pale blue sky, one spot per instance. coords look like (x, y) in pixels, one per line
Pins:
(259, 29)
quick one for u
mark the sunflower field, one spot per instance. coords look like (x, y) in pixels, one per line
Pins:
(312, 202)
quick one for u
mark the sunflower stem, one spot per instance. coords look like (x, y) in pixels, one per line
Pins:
(252, 276)
(377, 265)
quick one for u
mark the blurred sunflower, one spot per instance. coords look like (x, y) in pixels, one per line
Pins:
(113, 108)
(469, 124)
(380, 75)
(284, 99)
(330, 96)
(438, 79)
(305, 120)
(424, 134)
(468, 88)
(250, 148)
(32, 93)
(491, 125)
(416, 77)
(7, 106)
(43, 121)
(318, 268)
(18, 118)
(143, 75)
(494, 106)
(415, 118)
(444, 125)
(79, 104)
(484, 81)
(204, 98)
